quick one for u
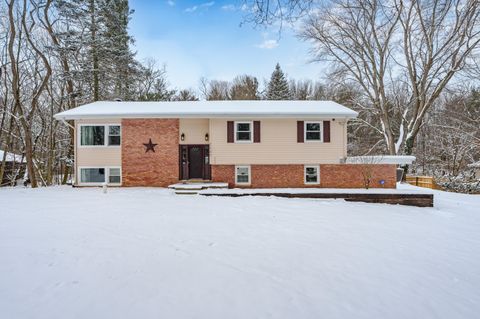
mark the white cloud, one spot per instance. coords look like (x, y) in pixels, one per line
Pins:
(229, 7)
(171, 3)
(205, 5)
(268, 44)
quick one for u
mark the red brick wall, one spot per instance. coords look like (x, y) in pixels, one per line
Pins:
(351, 175)
(149, 169)
(331, 175)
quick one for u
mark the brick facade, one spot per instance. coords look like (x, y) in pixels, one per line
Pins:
(159, 168)
(331, 175)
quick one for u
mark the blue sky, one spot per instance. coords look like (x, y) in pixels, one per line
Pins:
(204, 38)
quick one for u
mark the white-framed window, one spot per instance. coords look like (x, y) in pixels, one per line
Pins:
(243, 132)
(114, 175)
(114, 134)
(242, 174)
(92, 135)
(313, 131)
(99, 135)
(312, 174)
(92, 176)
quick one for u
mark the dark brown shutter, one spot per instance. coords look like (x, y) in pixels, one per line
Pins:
(230, 132)
(300, 133)
(326, 131)
(256, 131)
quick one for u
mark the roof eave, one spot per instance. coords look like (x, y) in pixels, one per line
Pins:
(67, 117)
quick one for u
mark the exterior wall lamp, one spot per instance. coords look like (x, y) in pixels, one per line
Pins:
(182, 137)
(206, 137)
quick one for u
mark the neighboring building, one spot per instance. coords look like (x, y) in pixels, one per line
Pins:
(245, 143)
(14, 167)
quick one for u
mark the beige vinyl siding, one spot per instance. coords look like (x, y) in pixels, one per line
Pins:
(85, 156)
(194, 130)
(278, 144)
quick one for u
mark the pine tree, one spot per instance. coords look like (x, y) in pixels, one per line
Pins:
(278, 88)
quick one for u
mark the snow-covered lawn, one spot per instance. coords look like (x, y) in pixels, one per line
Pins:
(145, 253)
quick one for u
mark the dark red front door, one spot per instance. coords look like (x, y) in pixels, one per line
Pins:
(194, 162)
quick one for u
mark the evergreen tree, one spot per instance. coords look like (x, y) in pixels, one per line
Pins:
(94, 34)
(278, 88)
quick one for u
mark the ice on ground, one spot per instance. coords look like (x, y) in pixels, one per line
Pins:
(146, 253)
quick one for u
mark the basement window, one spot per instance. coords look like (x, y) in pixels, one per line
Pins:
(92, 175)
(242, 174)
(312, 174)
(114, 175)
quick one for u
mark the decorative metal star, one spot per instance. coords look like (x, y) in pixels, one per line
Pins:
(150, 146)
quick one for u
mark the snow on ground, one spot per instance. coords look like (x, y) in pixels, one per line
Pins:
(145, 253)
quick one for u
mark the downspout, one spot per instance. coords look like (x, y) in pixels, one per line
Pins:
(67, 124)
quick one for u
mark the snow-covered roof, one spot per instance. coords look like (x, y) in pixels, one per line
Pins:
(381, 159)
(209, 109)
(11, 157)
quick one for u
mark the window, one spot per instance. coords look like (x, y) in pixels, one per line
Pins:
(114, 135)
(100, 135)
(92, 175)
(242, 174)
(313, 131)
(312, 175)
(243, 132)
(114, 176)
(100, 175)
(92, 135)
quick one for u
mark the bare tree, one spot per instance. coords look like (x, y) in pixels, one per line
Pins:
(244, 87)
(386, 46)
(213, 90)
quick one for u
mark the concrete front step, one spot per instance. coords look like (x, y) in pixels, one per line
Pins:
(191, 188)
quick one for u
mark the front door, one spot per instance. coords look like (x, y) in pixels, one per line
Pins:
(195, 162)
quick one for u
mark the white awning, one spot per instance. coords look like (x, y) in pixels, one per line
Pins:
(381, 159)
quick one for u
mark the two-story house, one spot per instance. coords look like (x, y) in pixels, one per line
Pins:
(245, 143)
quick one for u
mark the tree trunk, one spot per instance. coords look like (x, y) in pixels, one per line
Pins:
(95, 70)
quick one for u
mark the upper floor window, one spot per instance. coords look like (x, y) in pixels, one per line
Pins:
(243, 131)
(92, 135)
(100, 135)
(114, 135)
(313, 131)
